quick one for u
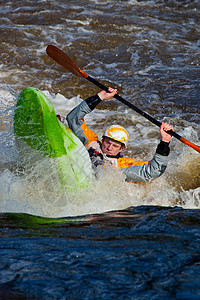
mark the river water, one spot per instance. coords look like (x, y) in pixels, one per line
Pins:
(130, 241)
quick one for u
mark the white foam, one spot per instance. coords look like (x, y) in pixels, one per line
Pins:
(191, 198)
(61, 104)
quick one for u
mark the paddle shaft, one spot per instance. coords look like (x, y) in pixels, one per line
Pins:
(144, 114)
(127, 103)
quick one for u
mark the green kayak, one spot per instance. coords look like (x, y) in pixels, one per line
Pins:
(36, 124)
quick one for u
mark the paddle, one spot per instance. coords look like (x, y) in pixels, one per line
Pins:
(64, 60)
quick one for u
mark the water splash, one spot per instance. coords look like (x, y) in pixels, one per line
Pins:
(31, 184)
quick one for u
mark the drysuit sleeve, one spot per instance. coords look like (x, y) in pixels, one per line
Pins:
(152, 169)
(76, 121)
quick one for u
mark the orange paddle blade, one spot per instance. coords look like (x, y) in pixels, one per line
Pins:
(64, 60)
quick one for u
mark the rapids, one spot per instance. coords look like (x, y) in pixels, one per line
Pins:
(131, 241)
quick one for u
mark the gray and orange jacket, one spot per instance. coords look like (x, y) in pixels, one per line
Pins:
(134, 170)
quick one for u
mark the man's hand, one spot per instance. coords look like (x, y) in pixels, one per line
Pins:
(165, 137)
(103, 95)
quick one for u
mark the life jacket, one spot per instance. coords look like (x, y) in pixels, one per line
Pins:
(119, 161)
(96, 157)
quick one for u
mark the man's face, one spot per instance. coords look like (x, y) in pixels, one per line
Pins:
(111, 147)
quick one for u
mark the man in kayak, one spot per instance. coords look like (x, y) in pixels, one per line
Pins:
(114, 140)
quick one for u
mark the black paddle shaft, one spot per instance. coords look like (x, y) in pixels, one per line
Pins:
(127, 103)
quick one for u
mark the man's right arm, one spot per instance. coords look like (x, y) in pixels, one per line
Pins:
(75, 118)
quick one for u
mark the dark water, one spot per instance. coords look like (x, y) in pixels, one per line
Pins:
(149, 50)
(139, 253)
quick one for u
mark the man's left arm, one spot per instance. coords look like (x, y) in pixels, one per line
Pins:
(152, 169)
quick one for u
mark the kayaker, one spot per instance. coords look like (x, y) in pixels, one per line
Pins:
(114, 140)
